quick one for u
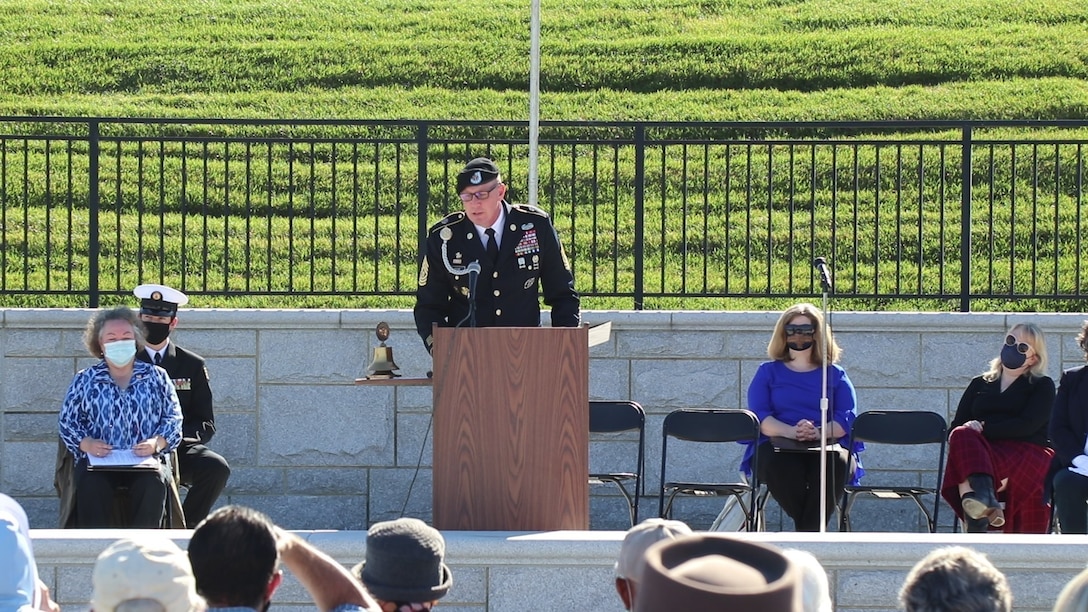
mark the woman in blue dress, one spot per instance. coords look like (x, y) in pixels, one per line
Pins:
(119, 403)
(785, 395)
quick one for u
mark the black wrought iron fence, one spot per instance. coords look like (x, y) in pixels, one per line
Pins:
(652, 214)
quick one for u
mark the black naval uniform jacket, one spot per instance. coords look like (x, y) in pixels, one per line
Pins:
(190, 376)
(531, 261)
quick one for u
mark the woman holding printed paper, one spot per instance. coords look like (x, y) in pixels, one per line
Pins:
(119, 404)
(785, 395)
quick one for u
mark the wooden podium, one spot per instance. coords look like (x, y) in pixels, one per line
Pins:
(511, 428)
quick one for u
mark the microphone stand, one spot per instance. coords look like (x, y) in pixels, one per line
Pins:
(823, 420)
(825, 283)
(473, 271)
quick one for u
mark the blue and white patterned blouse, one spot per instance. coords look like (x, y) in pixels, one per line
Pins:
(95, 406)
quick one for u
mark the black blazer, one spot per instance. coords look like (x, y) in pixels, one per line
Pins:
(190, 376)
(531, 264)
(1069, 418)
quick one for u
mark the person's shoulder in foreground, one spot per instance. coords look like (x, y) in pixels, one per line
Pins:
(21, 590)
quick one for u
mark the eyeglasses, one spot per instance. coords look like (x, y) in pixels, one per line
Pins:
(478, 195)
(1021, 347)
(801, 330)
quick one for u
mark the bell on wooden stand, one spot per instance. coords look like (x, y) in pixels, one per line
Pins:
(382, 366)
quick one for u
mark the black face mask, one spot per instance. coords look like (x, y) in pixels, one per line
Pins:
(1012, 358)
(157, 332)
(800, 346)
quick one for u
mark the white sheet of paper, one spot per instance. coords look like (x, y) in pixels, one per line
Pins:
(123, 457)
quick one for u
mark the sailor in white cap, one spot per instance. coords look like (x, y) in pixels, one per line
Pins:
(204, 471)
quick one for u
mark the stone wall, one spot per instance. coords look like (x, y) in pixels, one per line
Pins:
(508, 572)
(315, 451)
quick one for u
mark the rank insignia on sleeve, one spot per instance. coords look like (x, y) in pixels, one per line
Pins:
(423, 269)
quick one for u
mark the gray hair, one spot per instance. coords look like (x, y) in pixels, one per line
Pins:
(92, 335)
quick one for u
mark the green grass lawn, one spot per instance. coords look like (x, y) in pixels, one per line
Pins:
(682, 60)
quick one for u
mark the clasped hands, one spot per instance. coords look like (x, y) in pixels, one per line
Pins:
(807, 431)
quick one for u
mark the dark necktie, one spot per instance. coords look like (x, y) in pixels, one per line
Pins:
(492, 246)
(158, 358)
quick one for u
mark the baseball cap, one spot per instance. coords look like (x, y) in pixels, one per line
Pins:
(146, 567)
(642, 536)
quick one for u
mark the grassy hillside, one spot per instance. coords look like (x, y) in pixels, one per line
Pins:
(619, 59)
(682, 60)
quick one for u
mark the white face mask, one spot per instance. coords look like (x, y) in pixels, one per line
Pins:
(120, 353)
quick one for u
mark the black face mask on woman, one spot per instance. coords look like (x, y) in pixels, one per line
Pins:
(157, 332)
(1011, 358)
(800, 346)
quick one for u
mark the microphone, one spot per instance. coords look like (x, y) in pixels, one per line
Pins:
(473, 269)
(824, 271)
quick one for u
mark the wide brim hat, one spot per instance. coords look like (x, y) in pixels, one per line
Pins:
(405, 562)
(714, 571)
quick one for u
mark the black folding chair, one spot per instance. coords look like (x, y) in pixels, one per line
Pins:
(609, 417)
(711, 426)
(905, 427)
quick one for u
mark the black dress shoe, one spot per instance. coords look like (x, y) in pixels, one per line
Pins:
(982, 502)
(981, 525)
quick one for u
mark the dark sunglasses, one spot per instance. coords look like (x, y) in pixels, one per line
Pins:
(800, 330)
(1021, 347)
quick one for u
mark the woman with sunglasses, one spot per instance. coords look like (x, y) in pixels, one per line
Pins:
(785, 395)
(1069, 435)
(998, 442)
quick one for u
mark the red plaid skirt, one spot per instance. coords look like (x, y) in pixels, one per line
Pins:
(1023, 463)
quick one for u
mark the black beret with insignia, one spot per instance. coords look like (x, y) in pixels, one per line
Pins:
(477, 172)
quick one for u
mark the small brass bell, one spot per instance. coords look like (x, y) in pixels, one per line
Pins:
(382, 365)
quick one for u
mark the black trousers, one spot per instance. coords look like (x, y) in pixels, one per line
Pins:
(793, 479)
(97, 491)
(1071, 501)
(205, 472)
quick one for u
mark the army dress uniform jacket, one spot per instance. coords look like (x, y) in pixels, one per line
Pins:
(190, 375)
(531, 262)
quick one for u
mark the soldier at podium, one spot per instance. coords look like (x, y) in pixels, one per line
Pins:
(511, 254)
(203, 470)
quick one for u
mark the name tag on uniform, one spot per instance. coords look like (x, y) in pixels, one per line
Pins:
(183, 384)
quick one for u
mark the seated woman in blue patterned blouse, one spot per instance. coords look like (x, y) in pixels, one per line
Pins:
(119, 403)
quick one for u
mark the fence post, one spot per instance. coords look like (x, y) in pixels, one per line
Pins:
(424, 192)
(640, 209)
(965, 220)
(93, 151)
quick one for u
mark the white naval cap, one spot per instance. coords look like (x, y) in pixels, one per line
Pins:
(160, 300)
